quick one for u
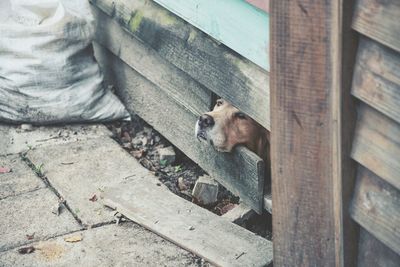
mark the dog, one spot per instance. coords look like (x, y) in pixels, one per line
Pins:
(225, 127)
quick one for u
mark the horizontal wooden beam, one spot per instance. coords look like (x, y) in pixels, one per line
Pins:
(214, 66)
(375, 207)
(231, 22)
(377, 78)
(379, 20)
(376, 145)
(372, 253)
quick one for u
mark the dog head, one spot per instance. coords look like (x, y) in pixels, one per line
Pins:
(226, 127)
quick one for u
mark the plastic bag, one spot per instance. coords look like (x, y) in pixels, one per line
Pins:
(48, 73)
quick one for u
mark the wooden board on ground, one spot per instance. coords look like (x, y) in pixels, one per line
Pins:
(379, 20)
(188, 225)
(222, 71)
(377, 78)
(376, 144)
(372, 253)
(242, 172)
(375, 207)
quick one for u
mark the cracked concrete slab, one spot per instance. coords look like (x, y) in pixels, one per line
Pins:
(31, 213)
(20, 180)
(16, 140)
(124, 245)
(80, 170)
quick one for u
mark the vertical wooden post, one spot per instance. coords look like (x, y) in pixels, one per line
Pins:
(310, 146)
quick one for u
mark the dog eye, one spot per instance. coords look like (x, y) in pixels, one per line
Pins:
(219, 102)
(240, 115)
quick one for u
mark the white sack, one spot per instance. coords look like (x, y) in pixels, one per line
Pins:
(48, 73)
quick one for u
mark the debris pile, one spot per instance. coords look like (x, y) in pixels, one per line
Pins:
(174, 169)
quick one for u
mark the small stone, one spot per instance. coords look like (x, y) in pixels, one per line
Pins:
(181, 184)
(127, 145)
(157, 139)
(147, 130)
(26, 127)
(144, 141)
(205, 191)
(167, 155)
(136, 142)
(126, 137)
(191, 228)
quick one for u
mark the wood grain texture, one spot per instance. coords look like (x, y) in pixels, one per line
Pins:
(376, 208)
(213, 65)
(231, 22)
(377, 144)
(379, 20)
(372, 253)
(377, 78)
(305, 82)
(193, 228)
(176, 83)
(242, 172)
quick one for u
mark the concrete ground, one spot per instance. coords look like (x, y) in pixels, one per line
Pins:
(71, 165)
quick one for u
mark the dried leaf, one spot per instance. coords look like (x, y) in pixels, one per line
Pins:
(181, 184)
(5, 170)
(26, 250)
(30, 237)
(93, 198)
(73, 238)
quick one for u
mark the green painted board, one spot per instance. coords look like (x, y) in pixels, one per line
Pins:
(235, 23)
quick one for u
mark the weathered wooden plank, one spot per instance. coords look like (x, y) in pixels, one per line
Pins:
(377, 78)
(375, 207)
(379, 20)
(377, 144)
(188, 225)
(372, 253)
(306, 134)
(230, 76)
(242, 172)
(176, 83)
(231, 22)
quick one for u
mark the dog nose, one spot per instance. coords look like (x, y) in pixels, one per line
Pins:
(206, 120)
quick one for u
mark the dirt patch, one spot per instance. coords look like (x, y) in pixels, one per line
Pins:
(144, 143)
(50, 251)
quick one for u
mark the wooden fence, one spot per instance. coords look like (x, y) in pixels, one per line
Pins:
(334, 109)
(168, 72)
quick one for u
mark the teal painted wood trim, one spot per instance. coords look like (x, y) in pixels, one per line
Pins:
(235, 23)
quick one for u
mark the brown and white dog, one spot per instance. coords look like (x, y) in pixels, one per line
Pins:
(226, 127)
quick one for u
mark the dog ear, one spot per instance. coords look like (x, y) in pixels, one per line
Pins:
(263, 145)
